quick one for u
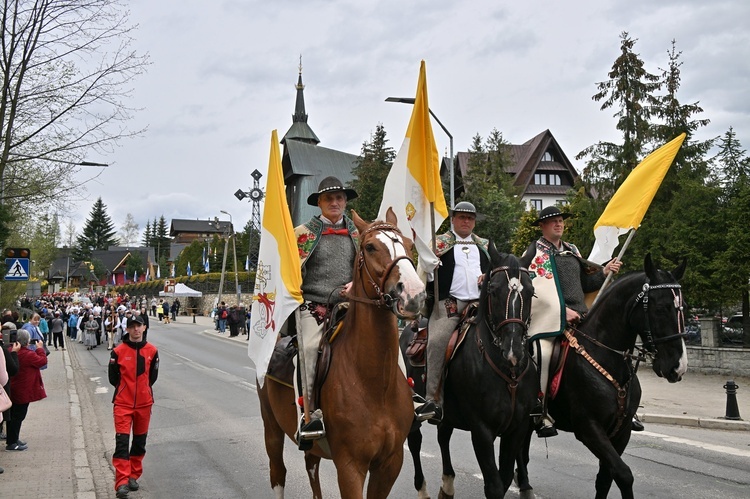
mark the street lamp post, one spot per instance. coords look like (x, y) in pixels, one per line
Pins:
(224, 260)
(410, 100)
(233, 235)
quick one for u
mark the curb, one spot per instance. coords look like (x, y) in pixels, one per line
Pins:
(83, 478)
(707, 423)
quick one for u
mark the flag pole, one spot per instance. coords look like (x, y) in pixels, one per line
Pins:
(436, 308)
(619, 258)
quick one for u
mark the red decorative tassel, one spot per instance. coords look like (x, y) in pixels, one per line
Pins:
(300, 402)
(410, 381)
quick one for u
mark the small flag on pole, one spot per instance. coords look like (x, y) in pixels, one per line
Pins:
(114, 280)
(247, 263)
(172, 271)
(189, 272)
(204, 256)
(148, 272)
(135, 276)
(206, 266)
(124, 276)
(158, 272)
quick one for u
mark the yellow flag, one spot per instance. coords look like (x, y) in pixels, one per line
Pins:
(278, 278)
(414, 180)
(628, 206)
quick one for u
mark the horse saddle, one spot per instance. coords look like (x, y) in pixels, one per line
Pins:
(415, 350)
(468, 318)
(559, 354)
(281, 365)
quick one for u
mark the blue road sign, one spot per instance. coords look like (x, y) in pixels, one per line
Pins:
(17, 269)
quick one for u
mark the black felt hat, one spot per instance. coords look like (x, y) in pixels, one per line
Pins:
(330, 184)
(549, 212)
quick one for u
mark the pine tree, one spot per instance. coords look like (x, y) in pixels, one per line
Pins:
(373, 165)
(98, 233)
(160, 238)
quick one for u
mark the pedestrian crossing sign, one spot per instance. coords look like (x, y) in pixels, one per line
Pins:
(18, 269)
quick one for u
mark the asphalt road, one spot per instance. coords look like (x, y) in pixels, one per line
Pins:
(206, 439)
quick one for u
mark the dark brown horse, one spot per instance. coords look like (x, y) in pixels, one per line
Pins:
(365, 400)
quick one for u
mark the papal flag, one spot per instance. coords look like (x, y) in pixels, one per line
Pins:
(626, 209)
(278, 280)
(414, 180)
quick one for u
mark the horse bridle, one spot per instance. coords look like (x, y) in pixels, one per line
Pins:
(649, 343)
(382, 299)
(514, 291)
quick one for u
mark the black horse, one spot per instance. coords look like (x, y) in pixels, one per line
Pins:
(597, 403)
(491, 384)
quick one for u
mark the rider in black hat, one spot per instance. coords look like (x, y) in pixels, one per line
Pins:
(327, 245)
(464, 258)
(561, 277)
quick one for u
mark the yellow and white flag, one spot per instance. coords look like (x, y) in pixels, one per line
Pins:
(278, 279)
(628, 206)
(414, 180)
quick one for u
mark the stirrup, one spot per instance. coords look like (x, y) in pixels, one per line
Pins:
(429, 411)
(313, 430)
(546, 428)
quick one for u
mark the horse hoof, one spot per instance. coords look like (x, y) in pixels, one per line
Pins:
(527, 494)
(443, 495)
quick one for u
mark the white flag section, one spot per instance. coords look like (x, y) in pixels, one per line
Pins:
(403, 193)
(278, 278)
(414, 181)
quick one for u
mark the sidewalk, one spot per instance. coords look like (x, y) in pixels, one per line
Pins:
(56, 463)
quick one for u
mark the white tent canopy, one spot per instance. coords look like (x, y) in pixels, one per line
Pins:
(181, 290)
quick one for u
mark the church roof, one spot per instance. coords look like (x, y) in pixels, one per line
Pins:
(300, 130)
(305, 165)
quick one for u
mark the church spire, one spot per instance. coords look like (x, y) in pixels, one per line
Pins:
(300, 130)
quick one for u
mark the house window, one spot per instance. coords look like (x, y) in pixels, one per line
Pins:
(540, 179)
(554, 179)
(536, 204)
(547, 157)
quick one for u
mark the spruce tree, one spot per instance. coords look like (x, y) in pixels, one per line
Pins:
(147, 235)
(630, 91)
(373, 165)
(98, 233)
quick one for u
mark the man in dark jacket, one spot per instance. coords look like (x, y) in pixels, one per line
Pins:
(133, 369)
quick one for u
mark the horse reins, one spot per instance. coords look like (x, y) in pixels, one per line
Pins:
(382, 299)
(512, 380)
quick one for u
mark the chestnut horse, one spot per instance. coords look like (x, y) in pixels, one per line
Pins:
(366, 401)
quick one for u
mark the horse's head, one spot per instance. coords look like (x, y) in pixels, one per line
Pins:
(506, 298)
(384, 271)
(659, 312)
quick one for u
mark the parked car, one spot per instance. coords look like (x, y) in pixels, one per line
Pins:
(693, 331)
(733, 331)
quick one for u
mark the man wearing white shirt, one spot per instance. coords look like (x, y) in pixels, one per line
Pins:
(464, 258)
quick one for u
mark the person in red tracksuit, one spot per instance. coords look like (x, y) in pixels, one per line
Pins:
(133, 369)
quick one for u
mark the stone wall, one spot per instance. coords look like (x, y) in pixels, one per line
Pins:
(713, 360)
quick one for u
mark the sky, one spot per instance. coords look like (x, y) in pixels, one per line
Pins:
(222, 77)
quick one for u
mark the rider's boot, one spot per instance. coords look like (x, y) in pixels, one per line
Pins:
(637, 425)
(314, 429)
(430, 411)
(545, 427)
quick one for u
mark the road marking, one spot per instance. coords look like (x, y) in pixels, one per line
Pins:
(702, 445)
(222, 372)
